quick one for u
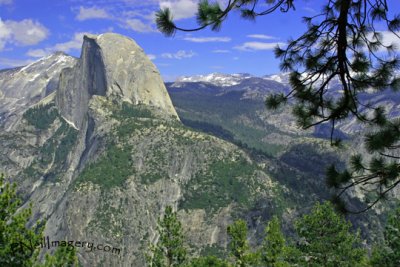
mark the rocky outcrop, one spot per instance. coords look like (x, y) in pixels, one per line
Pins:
(115, 66)
(22, 87)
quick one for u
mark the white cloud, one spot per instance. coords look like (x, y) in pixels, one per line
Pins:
(253, 46)
(5, 34)
(37, 53)
(151, 56)
(74, 44)
(262, 36)
(11, 62)
(207, 39)
(181, 9)
(389, 38)
(23, 33)
(146, 14)
(6, 2)
(92, 13)
(138, 26)
(221, 51)
(181, 54)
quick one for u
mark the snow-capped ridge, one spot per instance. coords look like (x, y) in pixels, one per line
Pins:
(218, 79)
(279, 77)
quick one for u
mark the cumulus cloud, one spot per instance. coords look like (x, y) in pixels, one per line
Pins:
(254, 46)
(37, 53)
(5, 34)
(262, 36)
(91, 13)
(22, 33)
(181, 54)
(181, 9)
(138, 26)
(12, 62)
(389, 38)
(207, 39)
(74, 44)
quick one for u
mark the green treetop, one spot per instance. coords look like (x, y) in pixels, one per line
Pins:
(169, 251)
(274, 250)
(388, 253)
(326, 239)
(18, 243)
(239, 246)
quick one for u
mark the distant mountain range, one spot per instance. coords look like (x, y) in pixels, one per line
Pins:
(257, 88)
(221, 79)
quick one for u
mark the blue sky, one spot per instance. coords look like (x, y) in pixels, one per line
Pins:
(30, 29)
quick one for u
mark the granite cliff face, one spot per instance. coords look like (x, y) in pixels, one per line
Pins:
(110, 65)
(103, 152)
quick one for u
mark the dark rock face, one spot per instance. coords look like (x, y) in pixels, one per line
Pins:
(78, 84)
(114, 66)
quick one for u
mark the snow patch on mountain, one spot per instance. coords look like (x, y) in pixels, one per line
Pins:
(280, 77)
(218, 79)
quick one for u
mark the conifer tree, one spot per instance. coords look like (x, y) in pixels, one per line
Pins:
(239, 246)
(325, 239)
(274, 249)
(388, 253)
(169, 251)
(18, 243)
(63, 256)
(209, 261)
(341, 51)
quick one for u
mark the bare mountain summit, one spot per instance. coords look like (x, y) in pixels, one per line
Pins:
(115, 66)
(23, 87)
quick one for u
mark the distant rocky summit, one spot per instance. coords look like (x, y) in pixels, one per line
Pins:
(23, 87)
(111, 65)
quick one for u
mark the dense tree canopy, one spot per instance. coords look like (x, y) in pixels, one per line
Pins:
(239, 245)
(341, 55)
(388, 253)
(326, 239)
(18, 243)
(169, 250)
(274, 251)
